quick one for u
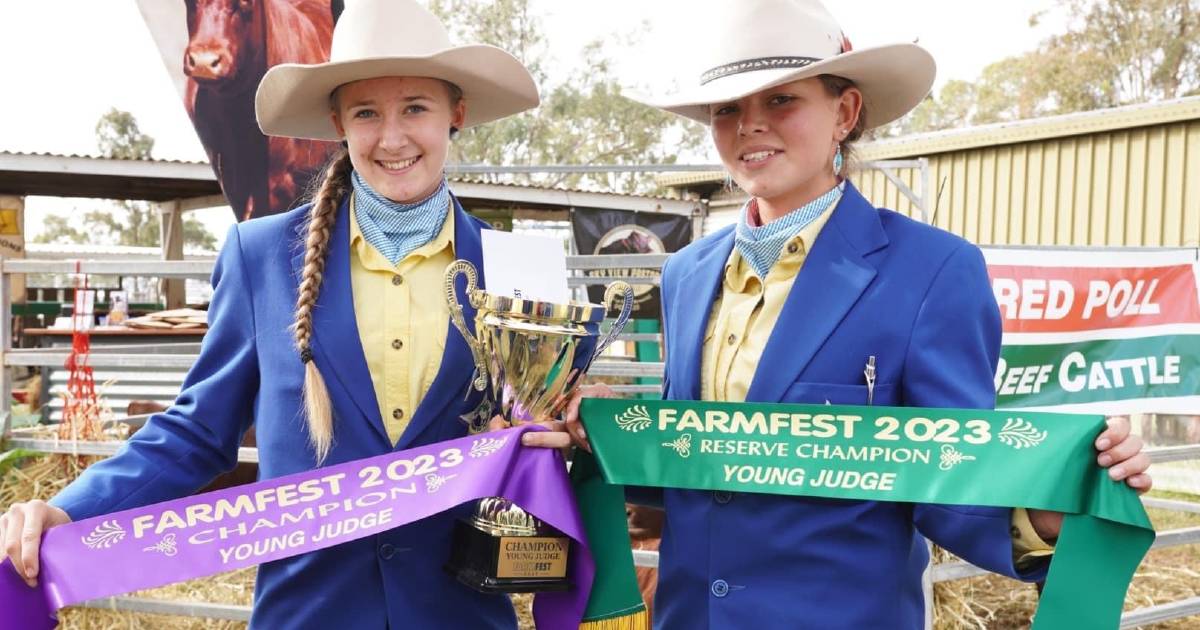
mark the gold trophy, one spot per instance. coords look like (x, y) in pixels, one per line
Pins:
(532, 354)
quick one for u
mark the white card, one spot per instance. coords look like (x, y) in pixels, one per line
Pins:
(525, 266)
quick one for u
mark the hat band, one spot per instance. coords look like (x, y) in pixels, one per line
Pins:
(751, 65)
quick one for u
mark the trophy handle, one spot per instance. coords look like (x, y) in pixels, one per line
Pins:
(625, 291)
(456, 316)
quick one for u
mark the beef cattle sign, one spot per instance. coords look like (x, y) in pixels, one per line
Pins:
(1106, 331)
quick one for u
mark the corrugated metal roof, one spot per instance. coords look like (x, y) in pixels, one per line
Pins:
(679, 180)
(1035, 129)
(485, 181)
(95, 157)
(143, 167)
(1007, 133)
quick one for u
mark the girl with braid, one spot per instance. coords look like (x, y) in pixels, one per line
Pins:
(329, 329)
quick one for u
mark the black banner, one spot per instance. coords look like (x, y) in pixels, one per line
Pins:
(621, 232)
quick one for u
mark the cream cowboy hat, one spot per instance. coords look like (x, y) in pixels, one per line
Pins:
(765, 43)
(380, 38)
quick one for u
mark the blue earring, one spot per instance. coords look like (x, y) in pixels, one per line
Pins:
(837, 160)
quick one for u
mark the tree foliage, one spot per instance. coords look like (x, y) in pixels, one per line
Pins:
(118, 136)
(127, 222)
(1112, 52)
(583, 120)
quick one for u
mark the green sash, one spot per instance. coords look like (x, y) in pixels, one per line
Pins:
(949, 456)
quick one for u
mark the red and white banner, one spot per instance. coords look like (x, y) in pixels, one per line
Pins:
(1110, 331)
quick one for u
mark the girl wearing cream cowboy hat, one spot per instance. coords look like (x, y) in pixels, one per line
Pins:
(813, 285)
(329, 326)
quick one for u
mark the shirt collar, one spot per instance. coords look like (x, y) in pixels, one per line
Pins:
(739, 275)
(372, 259)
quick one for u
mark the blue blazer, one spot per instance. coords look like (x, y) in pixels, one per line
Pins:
(249, 372)
(874, 283)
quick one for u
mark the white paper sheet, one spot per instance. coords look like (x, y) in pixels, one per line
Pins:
(525, 266)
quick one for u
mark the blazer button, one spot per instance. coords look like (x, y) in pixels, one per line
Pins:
(397, 280)
(386, 551)
(720, 588)
(722, 497)
(398, 413)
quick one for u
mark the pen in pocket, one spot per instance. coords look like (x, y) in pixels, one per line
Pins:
(869, 373)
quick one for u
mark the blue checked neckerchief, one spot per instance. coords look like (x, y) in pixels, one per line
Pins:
(398, 229)
(760, 246)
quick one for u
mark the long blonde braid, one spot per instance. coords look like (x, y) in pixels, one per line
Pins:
(317, 408)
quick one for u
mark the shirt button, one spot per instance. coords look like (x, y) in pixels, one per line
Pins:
(397, 280)
(793, 248)
(732, 339)
(397, 344)
(720, 588)
(397, 413)
(386, 551)
(722, 497)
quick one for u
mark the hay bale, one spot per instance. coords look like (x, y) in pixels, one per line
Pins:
(993, 602)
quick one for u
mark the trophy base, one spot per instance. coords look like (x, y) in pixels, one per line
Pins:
(491, 563)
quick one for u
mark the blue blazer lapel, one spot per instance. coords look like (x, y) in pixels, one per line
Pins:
(454, 375)
(337, 348)
(694, 294)
(834, 275)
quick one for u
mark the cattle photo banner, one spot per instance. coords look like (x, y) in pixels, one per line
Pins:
(216, 51)
(1105, 331)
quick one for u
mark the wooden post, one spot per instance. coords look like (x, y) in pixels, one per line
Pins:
(171, 236)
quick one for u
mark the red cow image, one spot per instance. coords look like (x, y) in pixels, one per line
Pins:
(231, 43)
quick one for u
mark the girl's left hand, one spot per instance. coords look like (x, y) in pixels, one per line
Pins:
(556, 437)
(1121, 453)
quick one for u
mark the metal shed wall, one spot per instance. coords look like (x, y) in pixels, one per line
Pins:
(1121, 177)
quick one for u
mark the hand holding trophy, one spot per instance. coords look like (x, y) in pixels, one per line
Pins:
(529, 357)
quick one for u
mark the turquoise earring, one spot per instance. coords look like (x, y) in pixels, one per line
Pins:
(837, 160)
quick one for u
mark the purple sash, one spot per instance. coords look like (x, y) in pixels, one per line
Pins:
(269, 520)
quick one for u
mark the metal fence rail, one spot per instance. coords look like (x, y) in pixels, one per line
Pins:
(1160, 613)
(230, 612)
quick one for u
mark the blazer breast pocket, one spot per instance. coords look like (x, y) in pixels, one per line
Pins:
(840, 394)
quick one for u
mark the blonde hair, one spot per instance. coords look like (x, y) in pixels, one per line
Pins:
(318, 411)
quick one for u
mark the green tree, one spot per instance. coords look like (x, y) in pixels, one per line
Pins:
(129, 222)
(118, 136)
(583, 120)
(1112, 52)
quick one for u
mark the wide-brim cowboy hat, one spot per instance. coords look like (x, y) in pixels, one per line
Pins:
(766, 43)
(382, 38)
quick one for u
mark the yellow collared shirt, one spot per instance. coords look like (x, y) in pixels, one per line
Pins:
(402, 319)
(741, 321)
(740, 324)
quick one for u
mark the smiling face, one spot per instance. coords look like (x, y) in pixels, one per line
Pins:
(778, 144)
(398, 132)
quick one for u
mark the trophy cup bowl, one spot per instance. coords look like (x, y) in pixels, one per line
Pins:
(529, 356)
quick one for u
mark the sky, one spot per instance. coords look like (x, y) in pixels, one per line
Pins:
(64, 63)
